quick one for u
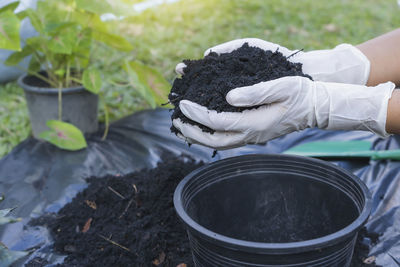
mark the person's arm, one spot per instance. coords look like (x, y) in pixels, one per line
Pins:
(393, 113)
(383, 53)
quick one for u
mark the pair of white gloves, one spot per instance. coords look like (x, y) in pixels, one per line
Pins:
(337, 99)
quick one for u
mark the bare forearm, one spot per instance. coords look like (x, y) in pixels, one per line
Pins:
(384, 54)
(393, 114)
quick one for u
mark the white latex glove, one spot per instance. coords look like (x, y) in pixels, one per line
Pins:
(288, 104)
(343, 64)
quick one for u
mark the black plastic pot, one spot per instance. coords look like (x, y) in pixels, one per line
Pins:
(79, 106)
(272, 210)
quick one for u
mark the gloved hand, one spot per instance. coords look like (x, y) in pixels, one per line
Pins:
(288, 104)
(343, 64)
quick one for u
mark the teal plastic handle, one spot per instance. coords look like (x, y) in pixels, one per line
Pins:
(386, 154)
(342, 149)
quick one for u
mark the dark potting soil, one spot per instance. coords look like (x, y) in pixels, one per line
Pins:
(207, 81)
(37, 262)
(36, 82)
(125, 221)
(130, 221)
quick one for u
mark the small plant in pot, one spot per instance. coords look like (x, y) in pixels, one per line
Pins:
(62, 84)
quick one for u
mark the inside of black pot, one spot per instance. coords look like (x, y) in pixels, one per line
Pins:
(272, 208)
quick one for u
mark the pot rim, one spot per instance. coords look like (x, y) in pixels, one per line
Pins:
(274, 248)
(46, 90)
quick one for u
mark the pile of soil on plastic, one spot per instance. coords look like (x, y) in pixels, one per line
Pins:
(207, 81)
(125, 221)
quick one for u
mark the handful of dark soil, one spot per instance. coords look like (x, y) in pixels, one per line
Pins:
(207, 81)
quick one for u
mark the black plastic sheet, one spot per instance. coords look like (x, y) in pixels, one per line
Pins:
(37, 177)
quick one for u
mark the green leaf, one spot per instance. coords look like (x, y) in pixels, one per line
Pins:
(22, 14)
(34, 19)
(37, 43)
(63, 42)
(7, 257)
(64, 135)
(60, 73)
(34, 65)
(9, 31)
(50, 12)
(89, 20)
(141, 88)
(55, 27)
(112, 40)
(16, 57)
(91, 79)
(82, 47)
(97, 7)
(10, 7)
(158, 86)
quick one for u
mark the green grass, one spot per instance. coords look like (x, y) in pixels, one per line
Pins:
(164, 36)
(187, 29)
(14, 122)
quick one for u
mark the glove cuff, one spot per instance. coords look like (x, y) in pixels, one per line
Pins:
(343, 64)
(363, 64)
(352, 107)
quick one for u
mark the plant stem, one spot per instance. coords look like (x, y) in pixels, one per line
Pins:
(60, 101)
(49, 80)
(78, 68)
(49, 64)
(37, 75)
(107, 121)
(76, 80)
(114, 243)
(295, 53)
(67, 80)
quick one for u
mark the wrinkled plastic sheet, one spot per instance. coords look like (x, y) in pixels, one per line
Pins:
(36, 177)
